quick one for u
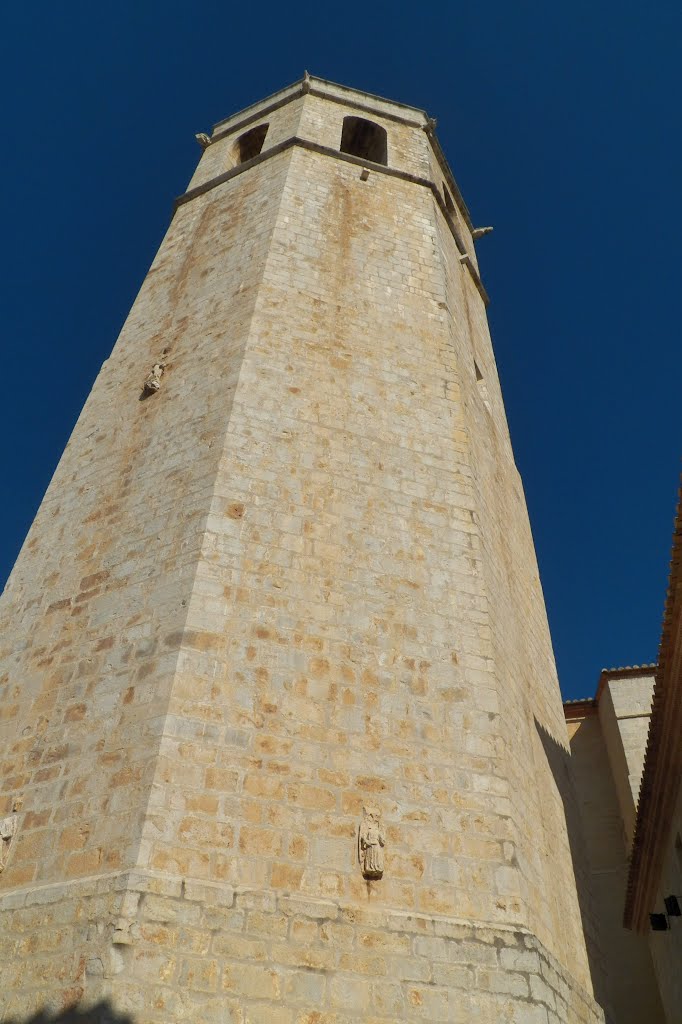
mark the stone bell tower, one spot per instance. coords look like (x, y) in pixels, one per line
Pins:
(283, 735)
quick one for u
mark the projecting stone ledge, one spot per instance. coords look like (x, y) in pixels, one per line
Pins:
(147, 947)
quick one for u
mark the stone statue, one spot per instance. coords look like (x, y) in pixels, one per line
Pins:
(8, 830)
(371, 842)
(153, 380)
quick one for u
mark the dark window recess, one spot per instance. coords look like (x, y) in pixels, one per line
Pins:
(672, 906)
(250, 143)
(449, 205)
(365, 139)
(482, 387)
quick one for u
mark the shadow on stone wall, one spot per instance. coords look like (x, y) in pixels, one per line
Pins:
(559, 760)
(102, 1013)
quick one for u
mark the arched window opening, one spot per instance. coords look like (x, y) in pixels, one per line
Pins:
(365, 139)
(449, 205)
(250, 143)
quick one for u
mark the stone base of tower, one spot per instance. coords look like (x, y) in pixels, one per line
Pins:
(136, 949)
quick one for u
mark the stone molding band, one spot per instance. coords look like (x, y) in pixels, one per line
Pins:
(178, 886)
(437, 939)
(315, 147)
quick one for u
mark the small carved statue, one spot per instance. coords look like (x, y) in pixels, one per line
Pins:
(8, 830)
(153, 380)
(371, 842)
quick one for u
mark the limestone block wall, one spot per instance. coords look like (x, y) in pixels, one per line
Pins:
(322, 122)
(223, 153)
(438, 173)
(371, 468)
(352, 561)
(516, 655)
(296, 582)
(193, 951)
(95, 607)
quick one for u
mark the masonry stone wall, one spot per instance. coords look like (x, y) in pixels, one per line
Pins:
(222, 155)
(296, 582)
(97, 602)
(159, 949)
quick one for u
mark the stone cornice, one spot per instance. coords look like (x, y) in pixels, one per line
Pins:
(315, 147)
(663, 760)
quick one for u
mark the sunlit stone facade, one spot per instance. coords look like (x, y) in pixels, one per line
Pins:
(284, 739)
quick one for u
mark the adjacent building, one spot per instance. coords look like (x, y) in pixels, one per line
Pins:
(608, 735)
(654, 891)
(626, 763)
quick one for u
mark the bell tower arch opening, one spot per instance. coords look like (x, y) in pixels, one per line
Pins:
(366, 139)
(250, 143)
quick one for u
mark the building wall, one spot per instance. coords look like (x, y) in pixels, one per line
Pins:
(624, 714)
(666, 947)
(622, 969)
(296, 582)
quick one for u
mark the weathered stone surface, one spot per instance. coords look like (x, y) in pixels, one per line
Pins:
(250, 961)
(297, 580)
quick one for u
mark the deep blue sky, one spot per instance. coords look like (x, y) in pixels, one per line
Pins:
(561, 124)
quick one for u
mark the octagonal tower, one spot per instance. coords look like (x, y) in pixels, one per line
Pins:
(285, 739)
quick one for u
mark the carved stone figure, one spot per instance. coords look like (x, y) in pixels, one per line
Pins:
(153, 381)
(371, 842)
(8, 830)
